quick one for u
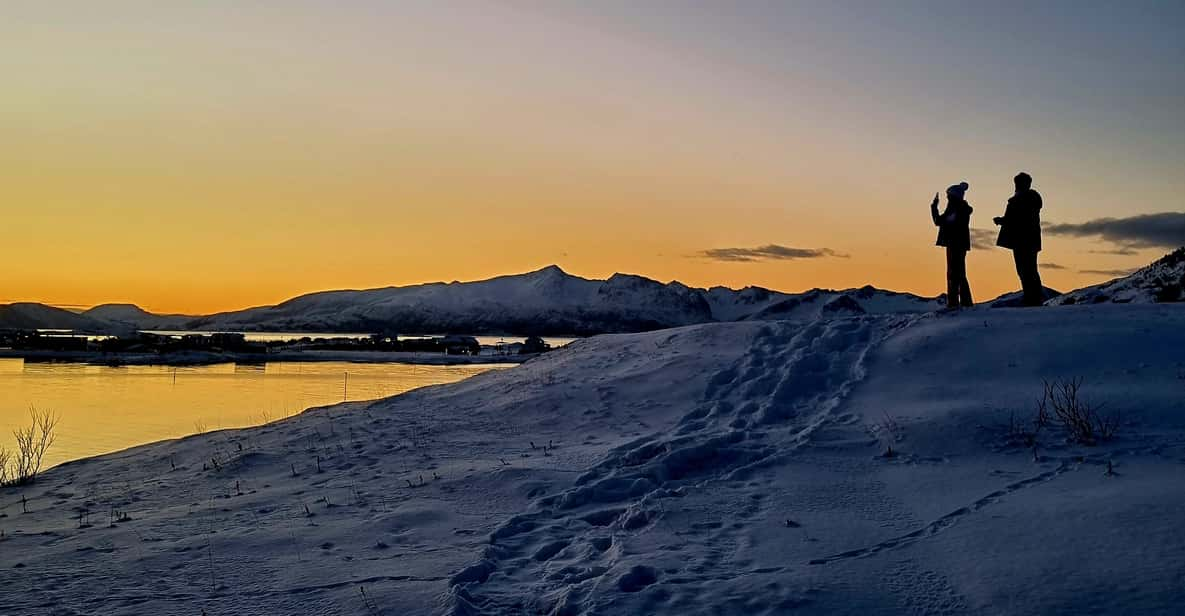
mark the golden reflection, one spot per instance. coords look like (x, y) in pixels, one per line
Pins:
(106, 409)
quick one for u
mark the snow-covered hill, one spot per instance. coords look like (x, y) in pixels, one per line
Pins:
(547, 301)
(1162, 281)
(730, 469)
(27, 315)
(132, 315)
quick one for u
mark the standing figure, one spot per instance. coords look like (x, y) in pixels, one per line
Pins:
(954, 232)
(1020, 231)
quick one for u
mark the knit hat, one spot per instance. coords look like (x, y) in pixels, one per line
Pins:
(958, 190)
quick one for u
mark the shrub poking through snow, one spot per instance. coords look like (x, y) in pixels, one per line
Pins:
(20, 466)
(888, 431)
(1063, 405)
(371, 608)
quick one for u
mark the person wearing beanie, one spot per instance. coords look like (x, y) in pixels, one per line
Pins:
(954, 233)
(1020, 232)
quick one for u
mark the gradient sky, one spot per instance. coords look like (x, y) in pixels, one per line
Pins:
(203, 156)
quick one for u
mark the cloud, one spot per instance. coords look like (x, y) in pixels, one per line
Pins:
(983, 238)
(1115, 273)
(1123, 251)
(1053, 266)
(769, 252)
(1163, 230)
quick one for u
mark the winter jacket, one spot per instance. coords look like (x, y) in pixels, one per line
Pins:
(1021, 228)
(954, 224)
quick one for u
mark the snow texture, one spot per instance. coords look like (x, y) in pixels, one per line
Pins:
(735, 468)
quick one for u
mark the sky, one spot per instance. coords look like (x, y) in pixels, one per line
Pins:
(199, 157)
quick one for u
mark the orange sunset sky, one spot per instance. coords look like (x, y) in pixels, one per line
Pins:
(198, 157)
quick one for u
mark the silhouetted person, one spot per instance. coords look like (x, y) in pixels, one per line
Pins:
(1020, 231)
(954, 232)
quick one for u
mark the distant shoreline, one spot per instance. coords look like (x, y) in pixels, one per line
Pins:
(204, 358)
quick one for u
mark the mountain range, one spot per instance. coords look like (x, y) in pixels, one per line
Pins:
(550, 301)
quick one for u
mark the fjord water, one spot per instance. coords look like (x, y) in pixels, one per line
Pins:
(105, 409)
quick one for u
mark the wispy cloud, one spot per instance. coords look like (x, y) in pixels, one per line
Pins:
(769, 252)
(1163, 230)
(1123, 251)
(983, 238)
(1114, 273)
(1053, 266)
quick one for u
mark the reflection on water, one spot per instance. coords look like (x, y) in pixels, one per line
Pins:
(106, 409)
(555, 341)
(258, 336)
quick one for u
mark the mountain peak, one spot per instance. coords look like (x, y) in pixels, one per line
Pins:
(547, 276)
(550, 270)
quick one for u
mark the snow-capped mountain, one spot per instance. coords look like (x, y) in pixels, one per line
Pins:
(547, 301)
(551, 301)
(818, 303)
(1162, 281)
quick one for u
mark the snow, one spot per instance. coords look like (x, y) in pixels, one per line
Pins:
(546, 301)
(724, 468)
(825, 303)
(730, 305)
(550, 301)
(1016, 299)
(1163, 281)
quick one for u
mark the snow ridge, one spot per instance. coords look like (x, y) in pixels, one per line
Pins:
(1162, 281)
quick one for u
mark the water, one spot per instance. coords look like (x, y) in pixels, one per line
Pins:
(259, 336)
(554, 341)
(105, 409)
